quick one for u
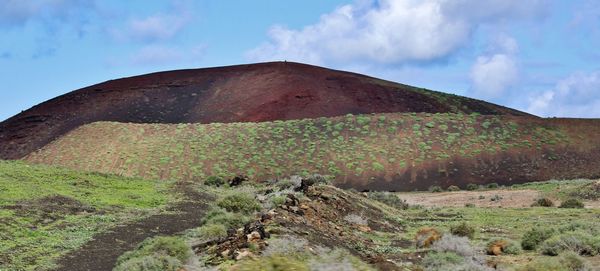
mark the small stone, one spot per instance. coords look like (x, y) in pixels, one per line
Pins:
(242, 254)
(225, 253)
(303, 206)
(253, 236)
(364, 228)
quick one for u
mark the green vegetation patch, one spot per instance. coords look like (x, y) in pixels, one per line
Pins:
(356, 147)
(46, 212)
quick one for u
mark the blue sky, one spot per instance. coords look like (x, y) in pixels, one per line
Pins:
(539, 56)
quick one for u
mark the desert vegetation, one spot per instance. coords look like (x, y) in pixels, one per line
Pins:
(360, 150)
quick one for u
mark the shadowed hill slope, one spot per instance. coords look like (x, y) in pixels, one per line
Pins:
(244, 93)
(390, 151)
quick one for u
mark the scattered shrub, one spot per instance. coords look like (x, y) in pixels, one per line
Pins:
(239, 203)
(453, 188)
(463, 229)
(273, 263)
(172, 247)
(571, 203)
(579, 242)
(156, 262)
(456, 244)
(590, 191)
(469, 205)
(543, 202)
(209, 232)
(534, 237)
(441, 260)
(492, 185)
(319, 179)
(228, 220)
(426, 236)
(356, 219)
(502, 246)
(496, 197)
(278, 200)
(572, 261)
(471, 259)
(568, 261)
(481, 197)
(435, 189)
(388, 198)
(214, 181)
(472, 187)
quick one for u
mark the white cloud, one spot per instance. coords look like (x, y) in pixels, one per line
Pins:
(492, 75)
(390, 31)
(575, 96)
(157, 27)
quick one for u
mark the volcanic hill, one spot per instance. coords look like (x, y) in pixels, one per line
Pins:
(243, 93)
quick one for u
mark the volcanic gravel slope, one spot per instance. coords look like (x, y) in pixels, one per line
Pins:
(243, 93)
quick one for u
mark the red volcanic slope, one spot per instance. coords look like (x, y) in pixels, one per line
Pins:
(256, 92)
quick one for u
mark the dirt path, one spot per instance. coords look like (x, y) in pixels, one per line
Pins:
(102, 252)
(508, 198)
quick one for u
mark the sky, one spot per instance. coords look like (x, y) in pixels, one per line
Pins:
(539, 56)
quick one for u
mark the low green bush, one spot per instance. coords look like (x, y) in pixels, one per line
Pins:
(492, 185)
(567, 261)
(156, 262)
(543, 202)
(571, 203)
(214, 181)
(472, 187)
(227, 219)
(210, 232)
(389, 198)
(534, 237)
(453, 188)
(572, 261)
(463, 229)
(579, 242)
(435, 189)
(441, 260)
(239, 203)
(273, 263)
(172, 247)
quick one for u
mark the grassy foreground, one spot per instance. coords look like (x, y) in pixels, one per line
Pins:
(46, 212)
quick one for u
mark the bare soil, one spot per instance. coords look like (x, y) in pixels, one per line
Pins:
(507, 198)
(102, 251)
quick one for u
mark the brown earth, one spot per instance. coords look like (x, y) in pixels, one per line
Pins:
(510, 198)
(102, 252)
(256, 92)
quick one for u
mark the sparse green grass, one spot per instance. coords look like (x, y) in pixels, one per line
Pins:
(558, 189)
(33, 233)
(351, 146)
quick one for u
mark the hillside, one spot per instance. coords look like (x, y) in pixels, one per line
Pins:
(396, 151)
(244, 93)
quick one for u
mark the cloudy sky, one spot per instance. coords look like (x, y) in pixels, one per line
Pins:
(540, 56)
